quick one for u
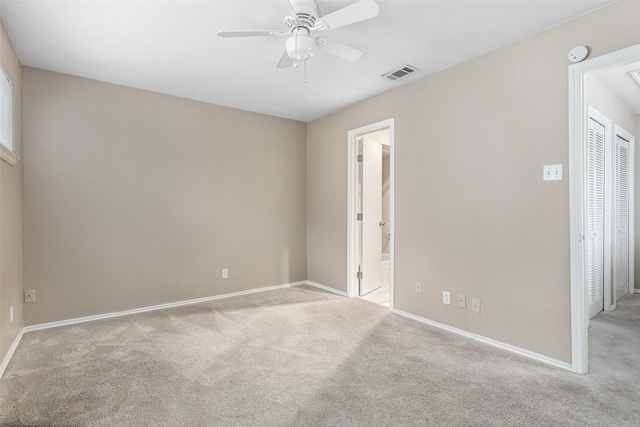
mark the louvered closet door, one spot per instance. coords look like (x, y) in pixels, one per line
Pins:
(595, 214)
(621, 245)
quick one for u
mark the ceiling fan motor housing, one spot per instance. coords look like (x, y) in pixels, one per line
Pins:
(306, 11)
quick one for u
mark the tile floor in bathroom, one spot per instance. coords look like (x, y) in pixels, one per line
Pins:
(379, 296)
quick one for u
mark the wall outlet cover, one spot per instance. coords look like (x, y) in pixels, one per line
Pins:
(419, 287)
(462, 301)
(475, 305)
(30, 295)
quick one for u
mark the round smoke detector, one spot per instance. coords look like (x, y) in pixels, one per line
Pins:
(578, 53)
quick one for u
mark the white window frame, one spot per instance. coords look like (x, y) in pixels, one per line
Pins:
(6, 151)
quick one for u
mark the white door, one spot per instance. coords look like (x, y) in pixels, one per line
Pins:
(621, 244)
(371, 191)
(595, 216)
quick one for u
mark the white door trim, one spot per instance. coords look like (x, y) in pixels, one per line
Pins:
(352, 283)
(577, 126)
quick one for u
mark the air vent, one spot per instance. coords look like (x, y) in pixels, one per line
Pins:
(636, 76)
(400, 73)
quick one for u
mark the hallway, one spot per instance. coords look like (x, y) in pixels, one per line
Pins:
(614, 345)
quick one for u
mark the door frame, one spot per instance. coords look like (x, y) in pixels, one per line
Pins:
(352, 170)
(577, 159)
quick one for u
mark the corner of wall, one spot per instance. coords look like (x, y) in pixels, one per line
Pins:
(11, 215)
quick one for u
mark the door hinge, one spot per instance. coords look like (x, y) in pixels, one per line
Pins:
(360, 158)
(359, 275)
(359, 217)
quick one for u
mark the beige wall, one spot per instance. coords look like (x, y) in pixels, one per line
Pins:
(134, 198)
(472, 213)
(11, 210)
(602, 99)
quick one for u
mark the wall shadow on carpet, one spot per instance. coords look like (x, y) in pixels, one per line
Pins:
(405, 373)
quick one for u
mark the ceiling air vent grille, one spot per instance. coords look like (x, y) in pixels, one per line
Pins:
(400, 73)
(636, 76)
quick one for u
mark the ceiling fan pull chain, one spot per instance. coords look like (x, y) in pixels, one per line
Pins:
(305, 71)
(295, 64)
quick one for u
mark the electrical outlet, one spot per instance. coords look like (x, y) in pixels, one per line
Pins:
(11, 314)
(30, 295)
(225, 273)
(419, 287)
(475, 305)
(446, 297)
(462, 301)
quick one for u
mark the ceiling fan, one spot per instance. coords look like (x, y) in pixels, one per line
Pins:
(304, 26)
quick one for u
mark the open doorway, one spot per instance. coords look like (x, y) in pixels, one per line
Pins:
(604, 127)
(370, 211)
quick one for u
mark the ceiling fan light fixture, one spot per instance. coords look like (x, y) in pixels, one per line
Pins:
(300, 47)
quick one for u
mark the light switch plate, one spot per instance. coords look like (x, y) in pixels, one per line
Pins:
(552, 173)
(446, 297)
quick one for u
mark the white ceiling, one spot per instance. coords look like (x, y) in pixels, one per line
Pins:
(622, 85)
(171, 46)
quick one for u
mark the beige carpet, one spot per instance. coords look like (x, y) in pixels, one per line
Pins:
(302, 357)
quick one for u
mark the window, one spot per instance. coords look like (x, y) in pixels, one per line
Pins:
(6, 119)
(6, 116)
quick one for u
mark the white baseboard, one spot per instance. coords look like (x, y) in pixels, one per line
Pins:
(326, 288)
(9, 354)
(503, 346)
(489, 341)
(154, 307)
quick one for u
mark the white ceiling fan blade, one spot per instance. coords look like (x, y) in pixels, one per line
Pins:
(340, 50)
(250, 33)
(285, 61)
(291, 9)
(364, 9)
